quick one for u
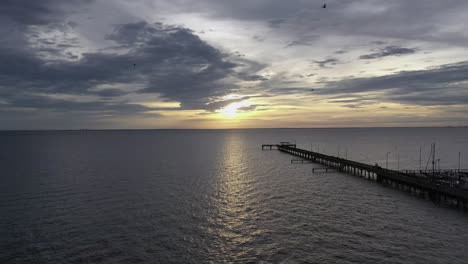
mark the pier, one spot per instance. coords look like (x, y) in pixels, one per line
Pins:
(448, 186)
(273, 146)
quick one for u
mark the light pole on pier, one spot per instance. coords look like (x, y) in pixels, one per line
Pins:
(459, 156)
(420, 150)
(398, 162)
(386, 162)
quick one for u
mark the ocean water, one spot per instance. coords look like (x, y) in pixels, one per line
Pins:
(213, 196)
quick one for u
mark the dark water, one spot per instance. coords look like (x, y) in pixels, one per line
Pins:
(185, 196)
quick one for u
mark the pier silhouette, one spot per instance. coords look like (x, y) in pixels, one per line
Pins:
(448, 186)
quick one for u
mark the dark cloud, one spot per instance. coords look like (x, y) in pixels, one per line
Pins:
(101, 107)
(170, 61)
(327, 62)
(25, 12)
(443, 85)
(110, 92)
(388, 51)
(341, 52)
(247, 77)
(253, 107)
(378, 42)
(178, 64)
(247, 108)
(167, 60)
(291, 90)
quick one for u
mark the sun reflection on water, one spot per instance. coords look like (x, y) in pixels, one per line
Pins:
(235, 202)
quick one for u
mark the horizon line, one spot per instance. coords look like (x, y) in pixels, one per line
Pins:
(248, 128)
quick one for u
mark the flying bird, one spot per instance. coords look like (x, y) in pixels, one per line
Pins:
(324, 6)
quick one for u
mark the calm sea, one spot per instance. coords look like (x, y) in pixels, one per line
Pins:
(198, 196)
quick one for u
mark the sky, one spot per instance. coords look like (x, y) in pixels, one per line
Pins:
(121, 64)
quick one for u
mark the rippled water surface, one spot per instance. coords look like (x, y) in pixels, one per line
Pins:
(197, 196)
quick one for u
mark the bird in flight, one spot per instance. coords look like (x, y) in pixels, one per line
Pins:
(324, 6)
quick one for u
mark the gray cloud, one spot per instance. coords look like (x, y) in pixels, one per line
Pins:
(174, 64)
(258, 38)
(297, 75)
(247, 77)
(341, 51)
(253, 107)
(353, 106)
(444, 85)
(378, 42)
(25, 12)
(275, 23)
(303, 41)
(327, 63)
(169, 60)
(399, 19)
(101, 107)
(290, 90)
(388, 51)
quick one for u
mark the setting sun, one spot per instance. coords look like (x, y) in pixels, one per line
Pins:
(233, 109)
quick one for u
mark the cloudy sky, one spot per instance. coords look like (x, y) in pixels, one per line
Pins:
(232, 64)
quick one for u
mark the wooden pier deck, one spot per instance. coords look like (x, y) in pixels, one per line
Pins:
(449, 186)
